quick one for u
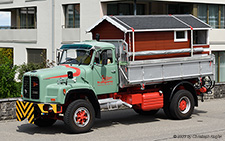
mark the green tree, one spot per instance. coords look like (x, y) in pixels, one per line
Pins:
(7, 52)
(8, 86)
(33, 66)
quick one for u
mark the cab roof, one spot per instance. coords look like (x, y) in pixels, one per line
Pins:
(88, 45)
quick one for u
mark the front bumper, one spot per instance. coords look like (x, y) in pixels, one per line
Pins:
(32, 111)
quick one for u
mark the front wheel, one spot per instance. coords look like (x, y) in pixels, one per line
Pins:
(182, 105)
(79, 116)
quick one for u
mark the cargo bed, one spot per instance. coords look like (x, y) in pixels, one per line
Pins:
(160, 70)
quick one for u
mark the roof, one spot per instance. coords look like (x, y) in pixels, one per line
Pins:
(87, 45)
(192, 21)
(154, 23)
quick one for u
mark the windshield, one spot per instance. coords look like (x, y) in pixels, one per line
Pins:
(75, 56)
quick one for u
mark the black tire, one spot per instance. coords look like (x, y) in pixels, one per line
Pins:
(150, 113)
(182, 105)
(166, 106)
(79, 116)
(44, 122)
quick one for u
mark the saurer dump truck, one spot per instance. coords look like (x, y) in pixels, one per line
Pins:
(122, 71)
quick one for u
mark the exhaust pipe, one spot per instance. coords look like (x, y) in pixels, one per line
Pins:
(112, 104)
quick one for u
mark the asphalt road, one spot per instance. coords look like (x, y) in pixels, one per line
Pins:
(207, 123)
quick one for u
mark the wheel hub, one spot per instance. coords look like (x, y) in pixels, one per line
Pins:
(81, 117)
(183, 105)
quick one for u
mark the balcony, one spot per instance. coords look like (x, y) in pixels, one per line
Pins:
(6, 1)
(70, 35)
(216, 39)
(33, 0)
(18, 35)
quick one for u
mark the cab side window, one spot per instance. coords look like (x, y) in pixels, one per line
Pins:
(99, 56)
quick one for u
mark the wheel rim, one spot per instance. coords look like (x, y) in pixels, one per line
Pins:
(81, 117)
(184, 105)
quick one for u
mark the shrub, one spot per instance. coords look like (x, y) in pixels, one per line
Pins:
(33, 66)
(8, 86)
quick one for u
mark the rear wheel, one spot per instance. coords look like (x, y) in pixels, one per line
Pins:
(182, 105)
(79, 116)
(44, 122)
(166, 107)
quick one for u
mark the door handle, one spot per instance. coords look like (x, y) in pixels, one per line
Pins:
(113, 71)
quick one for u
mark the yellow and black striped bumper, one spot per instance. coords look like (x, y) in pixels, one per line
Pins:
(25, 110)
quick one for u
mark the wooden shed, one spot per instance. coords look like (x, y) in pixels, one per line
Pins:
(169, 35)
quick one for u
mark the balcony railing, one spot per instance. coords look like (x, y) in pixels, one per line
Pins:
(13, 35)
(17, 27)
(6, 1)
(70, 35)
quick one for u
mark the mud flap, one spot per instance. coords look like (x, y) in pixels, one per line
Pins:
(25, 110)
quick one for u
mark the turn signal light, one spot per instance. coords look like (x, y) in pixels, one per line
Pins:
(64, 91)
(53, 99)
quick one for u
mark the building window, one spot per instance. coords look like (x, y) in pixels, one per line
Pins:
(202, 12)
(220, 66)
(124, 9)
(27, 18)
(214, 15)
(180, 36)
(222, 20)
(72, 16)
(36, 56)
(178, 8)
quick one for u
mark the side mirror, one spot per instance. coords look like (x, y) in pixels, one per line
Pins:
(70, 74)
(104, 58)
(58, 55)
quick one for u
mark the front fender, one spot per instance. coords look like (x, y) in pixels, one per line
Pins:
(79, 86)
(55, 92)
(83, 91)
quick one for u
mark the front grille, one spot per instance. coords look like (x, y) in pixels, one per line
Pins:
(35, 88)
(26, 87)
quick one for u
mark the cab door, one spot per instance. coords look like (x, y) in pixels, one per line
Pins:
(105, 72)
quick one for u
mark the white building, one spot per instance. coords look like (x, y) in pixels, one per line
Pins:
(42, 26)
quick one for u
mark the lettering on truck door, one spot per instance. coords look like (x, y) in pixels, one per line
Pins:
(105, 76)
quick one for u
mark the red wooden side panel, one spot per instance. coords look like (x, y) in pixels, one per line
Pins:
(107, 31)
(158, 40)
(203, 46)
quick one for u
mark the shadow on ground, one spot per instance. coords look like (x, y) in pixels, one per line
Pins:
(126, 116)
(112, 118)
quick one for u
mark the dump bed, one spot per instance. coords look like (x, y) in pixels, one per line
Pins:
(160, 70)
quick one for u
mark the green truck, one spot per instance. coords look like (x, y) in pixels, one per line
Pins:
(92, 76)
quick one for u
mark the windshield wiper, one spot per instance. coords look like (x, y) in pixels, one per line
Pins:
(82, 60)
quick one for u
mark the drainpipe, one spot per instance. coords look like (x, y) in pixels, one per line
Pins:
(135, 7)
(53, 30)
